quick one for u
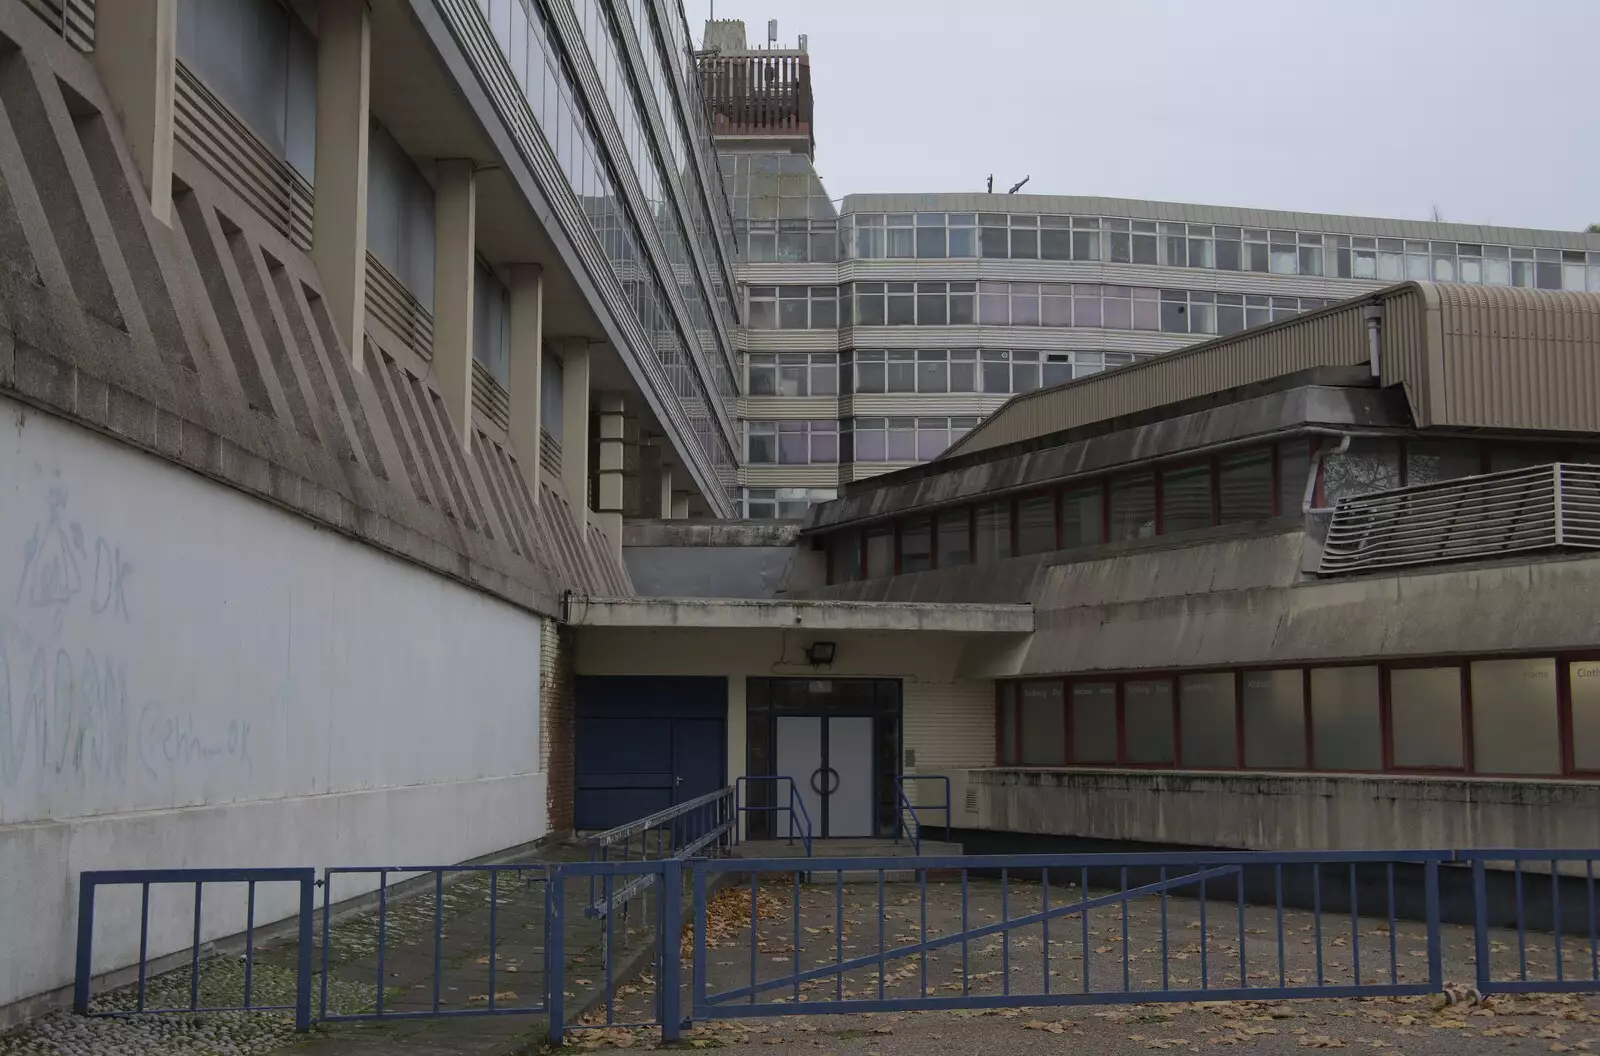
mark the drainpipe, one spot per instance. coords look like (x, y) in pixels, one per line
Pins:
(1316, 456)
(1373, 314)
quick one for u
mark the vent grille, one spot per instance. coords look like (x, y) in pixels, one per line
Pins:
(223, 143)
(73, 19)
(971, 801)
(489, 397)
(389, 302)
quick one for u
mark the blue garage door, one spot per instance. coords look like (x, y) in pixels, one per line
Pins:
(644, 744)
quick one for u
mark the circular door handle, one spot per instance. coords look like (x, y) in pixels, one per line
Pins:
(815, 785)
(834, 786)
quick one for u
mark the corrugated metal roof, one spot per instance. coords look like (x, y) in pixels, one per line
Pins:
(1467, 356)
(1326, 223)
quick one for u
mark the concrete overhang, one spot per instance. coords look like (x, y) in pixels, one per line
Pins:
(773, 613)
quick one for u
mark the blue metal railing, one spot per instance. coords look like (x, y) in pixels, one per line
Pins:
(799, 816)
(1569, 907)
(908, 810)
(704, 823)
(90, 882)
(498, 878)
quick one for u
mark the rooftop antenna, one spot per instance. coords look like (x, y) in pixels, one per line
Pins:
(772, 32)
(991, 183)
(1015, 187)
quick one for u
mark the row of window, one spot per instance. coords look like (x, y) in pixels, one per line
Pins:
(527, 43)
(921, 370)
(1528, 716)
(1114, 240)
(1247, 484)
(827, 442)
(788, 241)
(1082, 305)
(766, 504)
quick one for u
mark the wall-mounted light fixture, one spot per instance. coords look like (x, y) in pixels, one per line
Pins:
(820, 654)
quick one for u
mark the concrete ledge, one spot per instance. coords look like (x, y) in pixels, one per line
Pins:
(710, 533)
(815, 615)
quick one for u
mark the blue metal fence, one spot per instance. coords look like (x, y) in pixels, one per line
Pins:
(90, 882)
(706, 823)
(1568, 908)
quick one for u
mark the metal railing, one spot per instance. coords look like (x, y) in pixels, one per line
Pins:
(910, 820)
(799, 816)
(677, 832)
(1545, 508)
(90, 882)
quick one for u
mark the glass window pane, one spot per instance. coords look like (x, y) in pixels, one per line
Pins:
(1425, 716)
(916, 545)
(930, 242)
(1368, 465)
(955, 538)
(844, 557)
(994, 532)
(1431, 460)
(1274, 720)
(880, 552)
(1133, 507)
(1094, 722)
(1080, 517)
(1147, 721)
(1185, 498)
(1006, 733)
(1244, 481)
(1345, 733)
(1514, 717)
(1044, 734)
(1208, 720)
(1036, 524)
(1584, 681)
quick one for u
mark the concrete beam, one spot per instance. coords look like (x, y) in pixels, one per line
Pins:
(138, 65)
(574, 354)
(527, 370)
(339, 216)
(455, 219)
(732, 613)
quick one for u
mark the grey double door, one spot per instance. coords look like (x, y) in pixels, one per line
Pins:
(830, 759)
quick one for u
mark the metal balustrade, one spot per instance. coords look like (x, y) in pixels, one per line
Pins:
(1543, 509)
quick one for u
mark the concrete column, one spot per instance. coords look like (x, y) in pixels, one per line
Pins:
(664, 496)
(680, 505)
(138, 63)
(339, 218)
(612, 456)
(527, 374)
(575, 425)
(455, 218)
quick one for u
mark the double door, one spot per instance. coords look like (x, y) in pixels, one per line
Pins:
(831, 760)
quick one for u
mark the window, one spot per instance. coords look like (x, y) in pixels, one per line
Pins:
(1185, 498)
(1368, 465)
(1432, 460)
(1036, 524)
(792, 443)
(916, 545)
(993, 532)
(1133, 507)
(491, 324)
(1274, 707)
(1043, 724)
(869, 304)
(955, 537)
(902, 304)
(1514, 726)
(792, 374)
(880, 551)
(793, 307)
(765, 504)
(1244, 485)
(1584, 688)
(261, 60)
(1425, 717)
(1209, 720)
(1147, 720)
(1345, 728)
(1094, 722)
(844, 557)
(399, 214)
(1081, 516)
(902, 440)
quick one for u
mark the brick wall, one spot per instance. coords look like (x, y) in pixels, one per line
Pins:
(557, 695)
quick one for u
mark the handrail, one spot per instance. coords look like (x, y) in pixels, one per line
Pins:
(798, 813)
(906, 810)
(681, 832)
(909, 808)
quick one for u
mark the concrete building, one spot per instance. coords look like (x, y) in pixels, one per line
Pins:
(372, 387)
(881, 329)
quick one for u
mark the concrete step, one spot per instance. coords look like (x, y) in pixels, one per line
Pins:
(849, 848)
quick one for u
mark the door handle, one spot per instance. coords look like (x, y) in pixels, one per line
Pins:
(678, 780)
(815, 785)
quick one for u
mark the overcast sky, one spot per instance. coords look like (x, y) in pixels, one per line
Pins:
(1488, 110)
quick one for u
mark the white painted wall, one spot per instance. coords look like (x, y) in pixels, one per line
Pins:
(191, 677)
